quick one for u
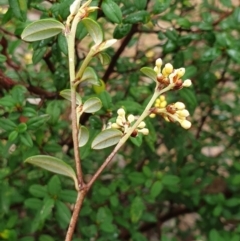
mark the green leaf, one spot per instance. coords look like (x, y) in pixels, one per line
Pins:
(156, 189)
(12, 136)
(104, 215)
(92, 105)
(234, 54)
(62, 43)
(140, 4)
(33, 203)
(90, 77)
(104, 45)
(54, 186)
(26, 139)
(45, 237)
(38, 190)
(22, 127)
(54, 165)
(214, 235)
(7, 101)
(36, 122)
(170, 180)
(19, 9)
(38, 55)
(83, 136)
(137, 208)
(106, 138)
(138, 17)
(46, 209)
(42, 29)
(63, 213)
(112, 11)
(161, 6)
(69, 196)
(137, 178)
(137, 140)
(94, 30)
(7, 124)
(107, 227)
(184, 23)
(106, 100)
(66, 94)
(121, 30)
(104, 58)
(149, 72)
(3, 58)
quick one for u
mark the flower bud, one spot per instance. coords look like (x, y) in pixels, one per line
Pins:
(180, 72)
(121, 112)
(144, 131)
(156, 69)
(179, 105)
(183, 113)
(187, 83)
(131, 118)
(142, 125)
(185, 124)
(75, 7)
(163, 104)
(168, 68)
(159, 62)
(115, 126)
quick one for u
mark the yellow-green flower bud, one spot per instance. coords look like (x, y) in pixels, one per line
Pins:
(180, 72)
(163, 104)
(168, 68)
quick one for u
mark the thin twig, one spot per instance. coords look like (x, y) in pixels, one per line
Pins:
(75, 214)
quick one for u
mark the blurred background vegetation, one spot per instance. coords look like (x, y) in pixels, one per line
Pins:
(177, 185)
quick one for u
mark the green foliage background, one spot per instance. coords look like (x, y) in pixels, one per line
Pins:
(176, 185)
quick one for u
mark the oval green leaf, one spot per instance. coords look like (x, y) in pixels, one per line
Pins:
(92, 105)
(106, 138)
(104, 58)
(42, 29)
(54, 165)
(149, 73)
(66, 94)
(94, 30)
(138, 17)
(112, 11)
(90, 77)
(83, 136)
(156, 189)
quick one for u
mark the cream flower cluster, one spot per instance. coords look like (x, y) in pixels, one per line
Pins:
(168, 75)
(124, 124)
(173, 112)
